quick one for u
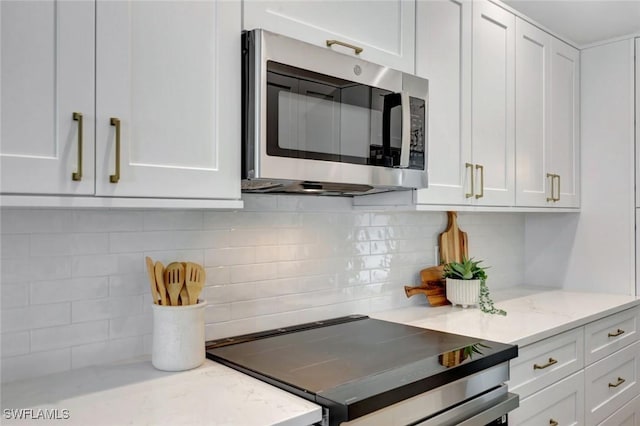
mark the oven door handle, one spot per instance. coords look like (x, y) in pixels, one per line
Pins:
(481, 410)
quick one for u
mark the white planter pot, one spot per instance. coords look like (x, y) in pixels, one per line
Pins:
(463, 292)
(178, 337)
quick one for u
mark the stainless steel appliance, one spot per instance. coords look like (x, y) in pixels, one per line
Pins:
(364, 371)
(319, 121)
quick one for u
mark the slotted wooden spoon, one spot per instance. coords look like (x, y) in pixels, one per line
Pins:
(194, 281)
(159, 270)
(174, 280)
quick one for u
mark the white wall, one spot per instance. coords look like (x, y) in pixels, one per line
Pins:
(594, 250)
(75, 292)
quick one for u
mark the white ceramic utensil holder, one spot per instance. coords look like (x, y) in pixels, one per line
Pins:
(178, 337)
(463, 292)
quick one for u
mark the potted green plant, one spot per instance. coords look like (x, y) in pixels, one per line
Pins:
(466, 285)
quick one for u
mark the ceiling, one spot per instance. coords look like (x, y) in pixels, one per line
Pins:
(583, 21)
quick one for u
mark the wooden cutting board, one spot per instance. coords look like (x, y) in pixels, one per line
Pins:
(453, 247)
(453, 241)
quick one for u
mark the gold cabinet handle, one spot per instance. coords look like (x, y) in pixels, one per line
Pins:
(469, 194)
(618, 383)
(551, 175)
(553, 422)
(77, 176)
(548, 364)
(616, 333)
(558, 189)
(481, 168)
(356, 49)
(116, 177)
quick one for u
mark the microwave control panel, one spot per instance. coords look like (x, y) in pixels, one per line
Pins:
(418, 132)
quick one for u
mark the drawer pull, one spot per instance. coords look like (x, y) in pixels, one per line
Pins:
(618, 383)
(356, 49)
(616, 334)
(548, 364)
(553, 422)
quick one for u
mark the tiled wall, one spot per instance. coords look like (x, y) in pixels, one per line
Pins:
(74, 288)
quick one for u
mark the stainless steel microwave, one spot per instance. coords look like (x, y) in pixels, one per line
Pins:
(319, 121)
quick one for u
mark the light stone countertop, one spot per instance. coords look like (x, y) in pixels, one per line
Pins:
(135, 393)
(532, 314)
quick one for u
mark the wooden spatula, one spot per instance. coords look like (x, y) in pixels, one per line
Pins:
(174, 280)
(162, 291)
(194, 280)
(152, 280)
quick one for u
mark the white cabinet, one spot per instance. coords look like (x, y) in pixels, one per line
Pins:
(468, 53)
(547, 120)
(170, 73)
(443, 55)
(563, 154)
(628, 415)
(560, 404)
(637, 120)
(493, 104)
(47, 75)
(167, 98)
(384, 29)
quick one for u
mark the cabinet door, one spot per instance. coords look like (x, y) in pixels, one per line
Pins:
(637, 67)
(169, 71)
(443, 55)
(493, 104)
(384, 29)
(564, 123)
(47, 75)
(533, 48)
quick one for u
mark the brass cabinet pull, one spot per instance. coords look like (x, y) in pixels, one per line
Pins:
(553, 422)
(116, 177)
(481, 168)
(551, 175)
(558, 199)
(616, 333)
(618, 383)
(548, 364)
(78, 175)
(469, 194)
(356, 49)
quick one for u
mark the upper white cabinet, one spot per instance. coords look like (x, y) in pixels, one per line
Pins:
(383, 29)
(637, 120)
(166, 111)
(493, 104)
(547, 123)
(47, 86)
(467, 51)
(169, 73)
(443, 55)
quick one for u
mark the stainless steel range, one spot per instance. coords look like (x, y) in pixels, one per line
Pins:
(365, 371)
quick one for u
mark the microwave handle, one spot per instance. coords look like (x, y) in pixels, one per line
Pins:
(406, 130)
(392, 100)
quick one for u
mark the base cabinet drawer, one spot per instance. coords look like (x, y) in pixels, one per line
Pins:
(545, 362)
(611, 383)
(607, 335)
(629, 415)
(561, 403)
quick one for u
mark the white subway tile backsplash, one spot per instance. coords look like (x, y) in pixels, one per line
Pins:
(36, 316)
(14, 246)
(14, 295)
(35, 364)
(43, 292)
(15, 343)
(106, 351)
(68, 335)
(74, 285)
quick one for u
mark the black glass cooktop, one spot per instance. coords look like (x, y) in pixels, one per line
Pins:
(356, 361)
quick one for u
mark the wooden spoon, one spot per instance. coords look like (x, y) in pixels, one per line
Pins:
(152, 280)
(174, 280)
(159, 270)
(195, 277)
